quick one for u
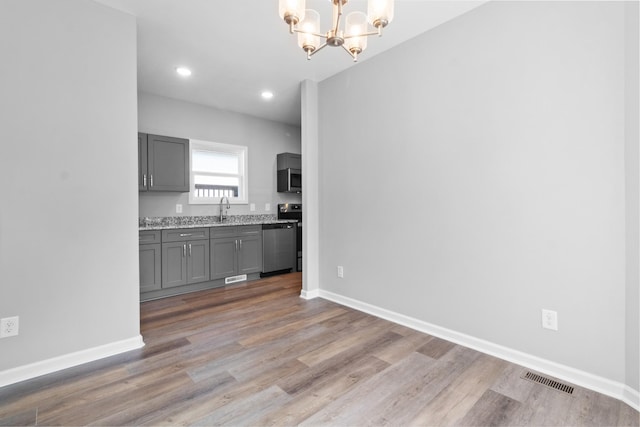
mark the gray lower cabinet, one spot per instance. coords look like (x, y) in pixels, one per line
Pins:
(235, 250)
(250, 254)
(223, 257)
(185, 256)
(150, 261)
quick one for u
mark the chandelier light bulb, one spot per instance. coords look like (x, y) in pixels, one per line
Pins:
(356, 27)
(380, 13)
(292, 11)
(307, 30)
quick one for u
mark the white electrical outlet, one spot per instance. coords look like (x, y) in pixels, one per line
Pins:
(252, 207)
(340, 271)
(178, 208)
(550, 319)
(9, 326)
(267, 207)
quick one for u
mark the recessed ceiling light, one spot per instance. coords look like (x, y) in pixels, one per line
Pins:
(183, 71)
(267, 94)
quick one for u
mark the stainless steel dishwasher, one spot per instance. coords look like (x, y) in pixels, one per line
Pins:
(279, 253)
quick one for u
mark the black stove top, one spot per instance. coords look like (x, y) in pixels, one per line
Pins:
(290, 211)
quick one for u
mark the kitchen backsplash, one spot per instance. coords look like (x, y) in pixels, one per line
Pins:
(159, 204)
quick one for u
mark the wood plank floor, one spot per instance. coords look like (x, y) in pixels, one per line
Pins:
(257, 354)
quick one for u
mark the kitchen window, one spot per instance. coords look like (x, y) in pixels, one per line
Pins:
(217, 170)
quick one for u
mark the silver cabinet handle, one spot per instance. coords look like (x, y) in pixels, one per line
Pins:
(151, 179)
(185, 234)
(189, 249)
(236, 245)
(240, 244)
(144, 180)
(184, 251)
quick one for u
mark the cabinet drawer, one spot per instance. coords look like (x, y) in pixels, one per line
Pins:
(250, 230)
(146, 237)
(224, 231)
(184, 234)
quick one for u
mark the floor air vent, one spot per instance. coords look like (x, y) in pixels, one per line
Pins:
(235, 279)
(548, 382)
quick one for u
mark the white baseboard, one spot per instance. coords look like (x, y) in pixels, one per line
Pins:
(566, 373)
(631, 397)
(310, 294)
(32, 370)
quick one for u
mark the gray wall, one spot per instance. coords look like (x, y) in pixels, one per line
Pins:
(632, 158)
(476, 175)
(68, 230)
(264, 138)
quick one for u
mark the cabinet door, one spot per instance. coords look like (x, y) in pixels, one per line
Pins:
(143, 173)
(168, 163)
(223, 257)
(289, 161)
(197, 261)
(174, 264)
(250, 254)
(150, 269)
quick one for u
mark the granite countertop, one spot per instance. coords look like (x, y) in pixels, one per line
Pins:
(171, 222)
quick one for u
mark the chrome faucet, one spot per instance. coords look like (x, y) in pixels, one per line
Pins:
(222, 215)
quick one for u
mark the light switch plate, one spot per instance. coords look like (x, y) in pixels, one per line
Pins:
(267, 207)
(178, 208)
(252, 207)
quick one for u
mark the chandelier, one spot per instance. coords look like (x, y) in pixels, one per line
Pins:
(353, 39)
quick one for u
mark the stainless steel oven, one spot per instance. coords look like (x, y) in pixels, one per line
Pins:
(293, 211)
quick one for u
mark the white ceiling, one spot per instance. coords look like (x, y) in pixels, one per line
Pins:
(238, 48)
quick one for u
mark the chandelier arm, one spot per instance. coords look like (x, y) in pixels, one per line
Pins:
(360, 35)
(350, 53)
(322, 46)
(324, 36)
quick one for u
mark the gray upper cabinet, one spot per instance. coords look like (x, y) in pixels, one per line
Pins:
(143, 171)
(163, 163)
(289, 161)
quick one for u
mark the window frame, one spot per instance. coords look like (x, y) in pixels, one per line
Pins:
(219, 147)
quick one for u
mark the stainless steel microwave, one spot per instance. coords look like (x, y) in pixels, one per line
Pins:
(290, 181)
